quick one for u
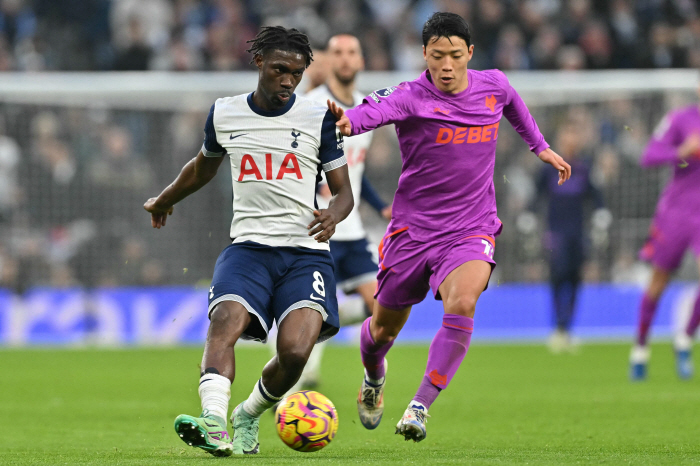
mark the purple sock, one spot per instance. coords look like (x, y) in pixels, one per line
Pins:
(694, 321)
(646, 314)
(372, 353)
(446, 353)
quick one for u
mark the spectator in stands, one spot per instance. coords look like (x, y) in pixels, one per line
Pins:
(119, 167)
(117, 173)
(596, 44)
(9, 161)
(571, 58)
(155, 17)
(211, 34)
(510, 53)
(544, 48)
(136, 56)
(51, 174)
(7, 59)
(17, 21)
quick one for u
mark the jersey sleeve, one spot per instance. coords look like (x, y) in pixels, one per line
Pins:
(331, 149)
(382, 107)
(663, 145)
(517, 113)
(211, 147)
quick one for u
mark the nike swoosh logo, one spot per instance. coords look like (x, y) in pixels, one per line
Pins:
(316, 298)
(234, 137)
(444, 112)
(311, 422)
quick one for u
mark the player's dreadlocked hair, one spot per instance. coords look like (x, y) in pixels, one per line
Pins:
(443, 24)
(280, 38)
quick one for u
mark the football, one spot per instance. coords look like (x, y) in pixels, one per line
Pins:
(306, 421)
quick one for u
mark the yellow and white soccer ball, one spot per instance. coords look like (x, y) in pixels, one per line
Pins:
(306, 421)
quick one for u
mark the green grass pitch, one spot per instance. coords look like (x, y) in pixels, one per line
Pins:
(507, 405)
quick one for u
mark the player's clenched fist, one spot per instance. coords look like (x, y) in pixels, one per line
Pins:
(158, 214)
(324, 223)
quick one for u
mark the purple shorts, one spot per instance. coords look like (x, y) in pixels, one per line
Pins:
(408, 268)
(669, 238)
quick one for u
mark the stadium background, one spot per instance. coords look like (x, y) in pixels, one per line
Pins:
(82, 147)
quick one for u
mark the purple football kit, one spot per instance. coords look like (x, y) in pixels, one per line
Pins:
(444, 211)
(676, 224)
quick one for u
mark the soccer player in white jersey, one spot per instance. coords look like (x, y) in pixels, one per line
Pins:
(278, 267)
(354, 257)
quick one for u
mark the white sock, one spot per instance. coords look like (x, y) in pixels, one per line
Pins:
(640, 354)
(352, 311)
(260, 400)
(375, 382)
(215, 391)
(682, 341)
(417, 404)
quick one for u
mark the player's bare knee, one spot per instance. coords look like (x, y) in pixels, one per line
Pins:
(461, 304)
(227, 319)
(293, 360)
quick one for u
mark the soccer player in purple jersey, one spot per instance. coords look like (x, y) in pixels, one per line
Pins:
(444, 222)
(675, 229)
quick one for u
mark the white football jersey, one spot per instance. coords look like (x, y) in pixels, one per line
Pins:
(276, 160)
(355, 149)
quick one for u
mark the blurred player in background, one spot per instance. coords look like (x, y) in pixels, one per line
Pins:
(444, 219)
(674, 230)
(317, 72)
(354, 257)
(565, 234)
(278, 268)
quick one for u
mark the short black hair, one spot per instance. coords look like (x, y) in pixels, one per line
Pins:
(280, 38)
(443, 24)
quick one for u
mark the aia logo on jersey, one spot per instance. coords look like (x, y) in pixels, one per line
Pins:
(290, 165)
(470, 135)
(490, 103)
(295, 144)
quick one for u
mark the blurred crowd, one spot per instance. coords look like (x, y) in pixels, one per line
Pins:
(186, 35)
(73, 182)
(73, 179)
(72, 185)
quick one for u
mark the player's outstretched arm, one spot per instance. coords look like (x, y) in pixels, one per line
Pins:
(323, 225)
(343, 123)
(195, 174)
(555, 160)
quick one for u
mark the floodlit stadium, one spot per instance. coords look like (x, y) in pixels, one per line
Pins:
(580, 349)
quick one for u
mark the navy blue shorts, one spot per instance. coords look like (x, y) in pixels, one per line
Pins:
(355, 263)
(270, 282)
